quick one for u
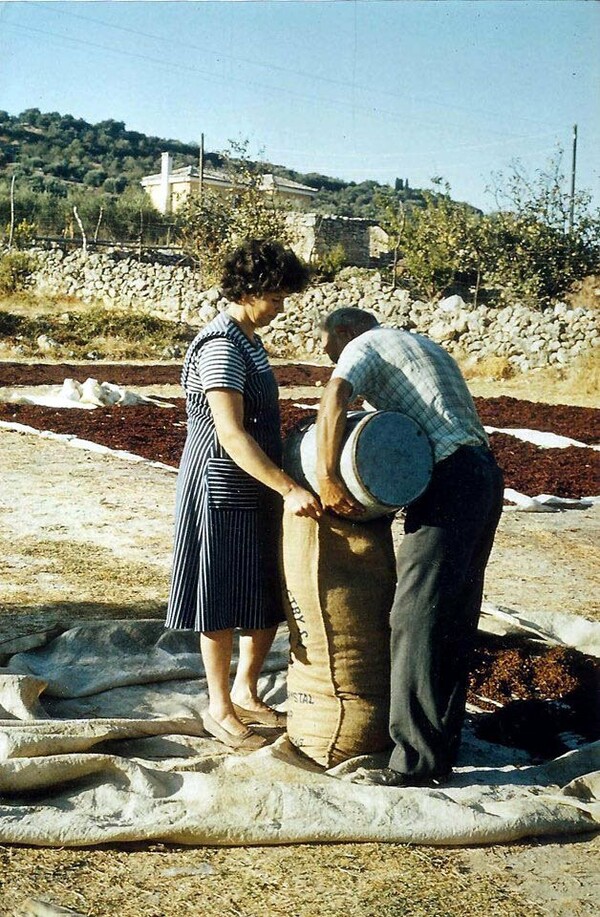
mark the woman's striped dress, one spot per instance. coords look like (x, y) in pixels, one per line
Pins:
(225, 565)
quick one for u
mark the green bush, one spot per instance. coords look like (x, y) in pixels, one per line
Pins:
(10, 324)
(531, 249)
(15, 271)
(540, 241)
(211, 225)
(330, 262)
(441, 243)
(23, 234)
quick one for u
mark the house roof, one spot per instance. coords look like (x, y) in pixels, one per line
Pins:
(285, 184)
(269, 181)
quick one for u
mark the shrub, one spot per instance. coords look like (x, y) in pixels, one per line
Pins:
(211, 225)
(533, 248)
(10, 324)
(330, 262)
(15, 271)
(23, 234)
(536, 245)
(441, 243)
(108, 332)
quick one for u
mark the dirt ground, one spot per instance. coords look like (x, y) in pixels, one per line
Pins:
(89, 536)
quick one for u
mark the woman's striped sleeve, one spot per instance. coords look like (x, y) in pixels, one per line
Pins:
(219, 364)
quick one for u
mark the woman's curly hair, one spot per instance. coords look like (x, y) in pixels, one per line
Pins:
(260, 266)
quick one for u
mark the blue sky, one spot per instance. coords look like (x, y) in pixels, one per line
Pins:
(357, 90)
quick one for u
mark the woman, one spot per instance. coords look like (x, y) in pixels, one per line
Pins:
(230, 485)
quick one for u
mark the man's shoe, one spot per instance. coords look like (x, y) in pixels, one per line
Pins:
(246, 741)
(387, 776)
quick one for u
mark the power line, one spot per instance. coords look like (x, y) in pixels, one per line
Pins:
(447, 149)
(292, 72)
(170, 65)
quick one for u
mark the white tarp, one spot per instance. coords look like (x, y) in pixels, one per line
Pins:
(542, 439)
(88, 395)
(100, 741)
(545, 503)
(87, 444)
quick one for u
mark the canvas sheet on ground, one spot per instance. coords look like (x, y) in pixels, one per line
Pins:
(100, 741)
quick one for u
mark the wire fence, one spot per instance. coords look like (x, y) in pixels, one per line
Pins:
(78, 242)
(138, 249)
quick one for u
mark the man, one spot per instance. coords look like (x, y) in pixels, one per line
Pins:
(449, 529)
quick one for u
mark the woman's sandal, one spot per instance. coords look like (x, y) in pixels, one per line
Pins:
(266, 717)
(248, 740)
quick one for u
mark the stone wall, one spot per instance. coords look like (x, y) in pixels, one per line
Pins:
(364, 241)
(527, 338)
(163, 286)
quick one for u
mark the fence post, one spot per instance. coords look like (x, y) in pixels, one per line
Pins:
(100, 215)
(83, 235)
(12, 212)
(141, 234)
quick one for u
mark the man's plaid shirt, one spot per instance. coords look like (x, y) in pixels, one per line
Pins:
(400, 371)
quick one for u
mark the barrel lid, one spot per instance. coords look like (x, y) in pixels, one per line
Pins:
(393, 458)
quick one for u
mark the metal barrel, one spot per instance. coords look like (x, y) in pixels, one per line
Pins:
(385, 461)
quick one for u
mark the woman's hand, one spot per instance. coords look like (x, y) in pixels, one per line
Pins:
(301, 502)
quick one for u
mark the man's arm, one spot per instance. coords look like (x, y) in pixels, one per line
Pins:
(331, 423)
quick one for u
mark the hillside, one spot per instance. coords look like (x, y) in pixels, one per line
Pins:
(54, 154)
(52, 151)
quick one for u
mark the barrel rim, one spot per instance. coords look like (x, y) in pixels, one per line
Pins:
(353, 456)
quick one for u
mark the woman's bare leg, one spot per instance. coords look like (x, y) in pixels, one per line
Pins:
(254, 646)
(216, 648)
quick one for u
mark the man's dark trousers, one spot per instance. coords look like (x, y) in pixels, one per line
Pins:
(441, 563)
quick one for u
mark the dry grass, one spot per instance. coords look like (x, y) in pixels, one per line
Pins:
(77, 330)
(31, 305)
(585, 293)
(578, 383)
(583, 375)
(48, 574)
(346, 880)
(491, 367)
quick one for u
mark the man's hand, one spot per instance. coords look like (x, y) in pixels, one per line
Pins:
(336, 497)
(331, 423)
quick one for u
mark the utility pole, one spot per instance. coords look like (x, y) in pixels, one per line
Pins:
(201, 166)
(573, 170)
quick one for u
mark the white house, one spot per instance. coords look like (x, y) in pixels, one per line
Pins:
(170, 188)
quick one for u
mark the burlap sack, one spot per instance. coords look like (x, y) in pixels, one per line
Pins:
(340, 579)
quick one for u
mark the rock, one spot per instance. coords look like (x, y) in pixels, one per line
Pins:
(213, 295)
(451, 304)
(441, 332)
(39, 907)
(45, 343)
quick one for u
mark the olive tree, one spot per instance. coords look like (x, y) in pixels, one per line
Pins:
(212, 224)
(441, 242)
(534, 250)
